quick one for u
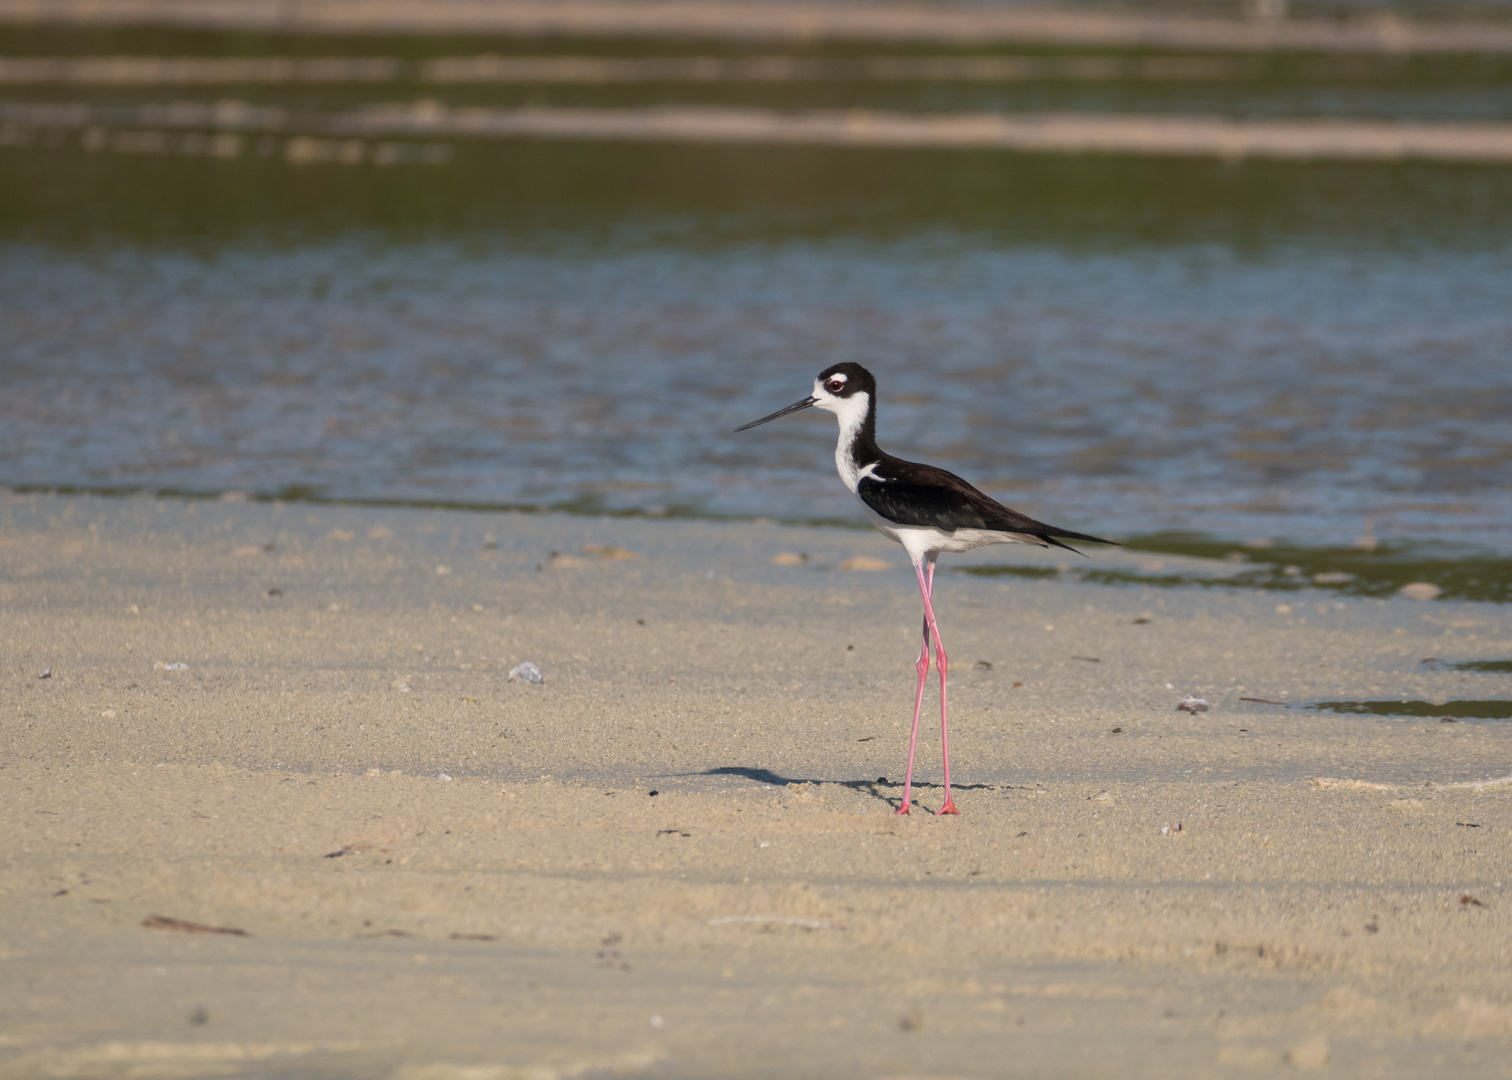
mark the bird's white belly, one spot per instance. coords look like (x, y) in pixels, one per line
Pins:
(920, 540)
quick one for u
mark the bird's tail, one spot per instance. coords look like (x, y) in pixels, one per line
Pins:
(1049, 536)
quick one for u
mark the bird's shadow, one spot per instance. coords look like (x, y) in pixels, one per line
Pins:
(879, 789)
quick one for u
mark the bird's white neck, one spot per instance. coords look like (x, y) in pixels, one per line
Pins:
(852, 413)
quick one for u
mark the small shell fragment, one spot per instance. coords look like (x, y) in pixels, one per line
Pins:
(1420, 590)
(526, 672)
(608, 552)
(1192, 704)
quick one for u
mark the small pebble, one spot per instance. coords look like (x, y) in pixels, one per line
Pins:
(1420, 590)
(789, 558)
(444, 776)
(865, 562)
(527, 672)
(1192, 704)
(46, 673)
(1310, 1053)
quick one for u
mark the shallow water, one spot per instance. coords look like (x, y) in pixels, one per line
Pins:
(1448, 711)
(1460, 573)
(1304, 352)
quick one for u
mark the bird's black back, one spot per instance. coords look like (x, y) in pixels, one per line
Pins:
(908, 493)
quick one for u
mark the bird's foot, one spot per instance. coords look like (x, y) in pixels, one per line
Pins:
(948, 808)
(902, 810)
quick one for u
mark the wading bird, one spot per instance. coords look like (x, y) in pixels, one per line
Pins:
(926, 509)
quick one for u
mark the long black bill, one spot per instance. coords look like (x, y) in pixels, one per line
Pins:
(797, 406)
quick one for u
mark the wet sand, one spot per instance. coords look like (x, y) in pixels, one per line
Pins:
(439, 873)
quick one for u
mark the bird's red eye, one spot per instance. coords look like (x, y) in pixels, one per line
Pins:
(834, 386)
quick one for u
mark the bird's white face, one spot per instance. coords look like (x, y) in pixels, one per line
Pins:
(833, 395)
(846, 394)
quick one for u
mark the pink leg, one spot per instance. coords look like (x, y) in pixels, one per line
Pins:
(942, 663)
(913, 736)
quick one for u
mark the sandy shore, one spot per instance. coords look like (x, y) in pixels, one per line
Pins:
(441, 874)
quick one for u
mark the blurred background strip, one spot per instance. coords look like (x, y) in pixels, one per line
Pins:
(1064, 132)
(1261, 25)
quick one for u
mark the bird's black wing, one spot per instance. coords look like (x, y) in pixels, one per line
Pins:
(910, 494)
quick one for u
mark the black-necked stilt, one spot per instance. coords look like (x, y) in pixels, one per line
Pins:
(926, 509)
